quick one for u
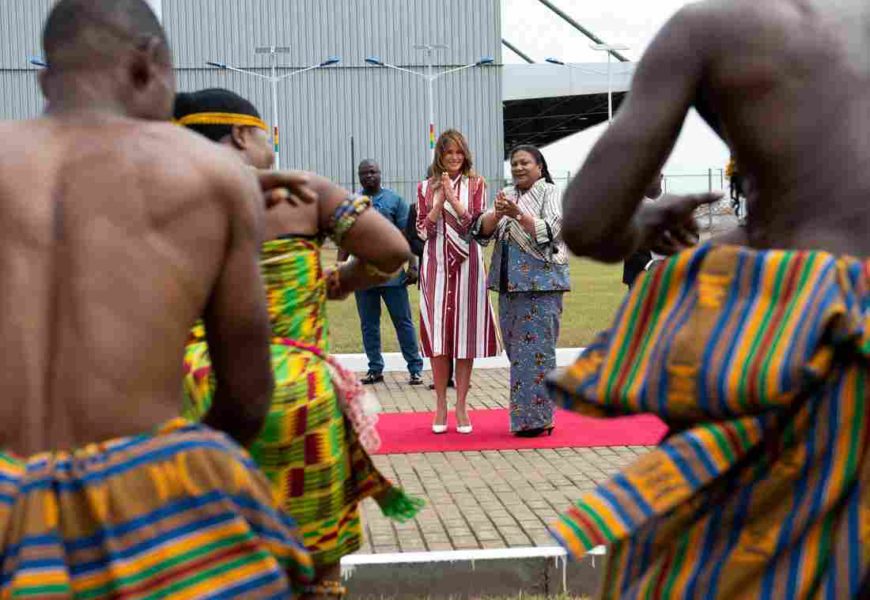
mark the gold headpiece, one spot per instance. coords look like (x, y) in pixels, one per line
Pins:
(222, 118)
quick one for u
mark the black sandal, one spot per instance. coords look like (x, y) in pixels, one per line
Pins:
(531, 433)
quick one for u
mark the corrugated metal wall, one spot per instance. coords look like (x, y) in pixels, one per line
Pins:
(20, 30)
(319, 111)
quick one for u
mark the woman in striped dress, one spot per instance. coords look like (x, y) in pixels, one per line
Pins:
(456, 318)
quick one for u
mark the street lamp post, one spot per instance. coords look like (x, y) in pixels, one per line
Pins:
(429, 77)
(556, 61)
(610, 49)
(273, 79)
(430, 49)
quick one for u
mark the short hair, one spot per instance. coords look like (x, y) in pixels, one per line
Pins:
(77, 31)
(212, 100)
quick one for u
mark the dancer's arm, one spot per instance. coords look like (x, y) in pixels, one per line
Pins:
(371, 238)
(237, 321)
(733, 237)
(353, 275)
(601, 202)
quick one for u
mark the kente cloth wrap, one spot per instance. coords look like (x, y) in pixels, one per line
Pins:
(357, 405)
(759, 362)
(180, 513)
(307, 449)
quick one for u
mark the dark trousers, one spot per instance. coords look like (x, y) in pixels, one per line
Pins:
(368, 304)
(634, 266)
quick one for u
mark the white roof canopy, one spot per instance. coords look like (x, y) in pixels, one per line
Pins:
(525, 82)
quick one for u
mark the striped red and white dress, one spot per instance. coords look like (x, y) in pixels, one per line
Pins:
(456, 318)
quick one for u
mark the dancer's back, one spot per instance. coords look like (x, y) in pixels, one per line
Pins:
(786, 83)
(790, 81)
(114, 235)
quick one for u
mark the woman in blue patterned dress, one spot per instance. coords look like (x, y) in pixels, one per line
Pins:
(530, 272)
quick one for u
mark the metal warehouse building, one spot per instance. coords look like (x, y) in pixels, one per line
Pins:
(323, 113)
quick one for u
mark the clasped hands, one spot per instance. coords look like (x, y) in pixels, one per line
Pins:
(505, 207)
(448, 195)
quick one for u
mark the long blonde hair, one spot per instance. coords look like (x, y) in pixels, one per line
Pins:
(437, 167)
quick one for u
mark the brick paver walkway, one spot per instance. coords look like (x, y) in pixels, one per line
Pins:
(478, 500)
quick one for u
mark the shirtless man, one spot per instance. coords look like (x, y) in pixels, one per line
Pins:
(119, 230)
(755, 350)
(786, 83)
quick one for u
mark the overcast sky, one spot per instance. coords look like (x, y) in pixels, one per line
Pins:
(540, 33)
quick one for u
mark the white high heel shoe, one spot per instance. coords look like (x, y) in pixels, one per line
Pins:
(466, 429)
(439, 428)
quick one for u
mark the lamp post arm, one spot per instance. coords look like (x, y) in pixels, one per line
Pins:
(245, 72)
(449, 71)
(403, 70)
(298, 72)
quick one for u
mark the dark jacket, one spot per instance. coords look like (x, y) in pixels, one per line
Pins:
(634, 266)
(411, 232)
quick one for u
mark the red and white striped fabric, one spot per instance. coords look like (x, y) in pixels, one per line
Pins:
(456, 318)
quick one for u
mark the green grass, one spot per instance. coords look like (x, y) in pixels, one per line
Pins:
(596, 291)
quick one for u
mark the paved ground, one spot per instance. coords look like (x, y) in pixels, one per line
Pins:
(481, 500)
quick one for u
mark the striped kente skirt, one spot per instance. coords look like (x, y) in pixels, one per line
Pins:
(180, 513)
(759, 362)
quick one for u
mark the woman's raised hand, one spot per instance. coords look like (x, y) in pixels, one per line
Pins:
(447, 190)
(499, 206)
(505, 207)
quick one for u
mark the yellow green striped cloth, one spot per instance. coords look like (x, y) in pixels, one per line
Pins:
(307, 449)
(759, 362)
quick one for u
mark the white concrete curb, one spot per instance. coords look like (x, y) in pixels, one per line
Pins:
(393, 361)
(463, 566)
(392, 558)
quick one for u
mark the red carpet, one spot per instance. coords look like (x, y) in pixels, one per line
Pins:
(403, 433)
